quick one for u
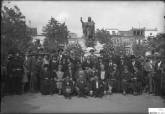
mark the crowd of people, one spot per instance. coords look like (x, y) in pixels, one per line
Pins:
(67, 75)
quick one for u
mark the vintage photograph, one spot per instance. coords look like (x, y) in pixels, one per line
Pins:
(82, 56)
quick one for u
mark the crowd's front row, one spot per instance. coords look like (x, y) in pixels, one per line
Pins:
(92, 77)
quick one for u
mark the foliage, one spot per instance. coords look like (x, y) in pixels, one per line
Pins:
(50, 45)
(158, 44)
(140, 49)
(110, 50)
(74, 49)
(14, 33)
(56, 33)
(103, 36)
(90, 43)
(120, 50)
(155, 44)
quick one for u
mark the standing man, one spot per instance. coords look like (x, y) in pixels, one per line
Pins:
(17, 70)
(33, 73)
(122, 64)
(157, 76)
(149, 70)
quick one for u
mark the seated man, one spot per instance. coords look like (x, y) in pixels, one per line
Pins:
(67, 87)
(81, 83)
(125, 79)
(113, 82)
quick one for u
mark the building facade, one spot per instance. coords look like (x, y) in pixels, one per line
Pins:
(126, 41)
(150, 33)
(113, 31)
(72, 35)
(39, 37)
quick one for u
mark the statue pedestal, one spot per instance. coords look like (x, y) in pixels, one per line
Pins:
(92, 45)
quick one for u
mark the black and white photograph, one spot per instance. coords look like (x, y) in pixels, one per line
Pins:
(82, 56)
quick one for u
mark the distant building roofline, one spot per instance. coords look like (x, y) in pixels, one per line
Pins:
(151, 29)
(112, 29)
(133, 28)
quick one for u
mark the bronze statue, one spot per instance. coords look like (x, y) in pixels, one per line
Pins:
(88, 28)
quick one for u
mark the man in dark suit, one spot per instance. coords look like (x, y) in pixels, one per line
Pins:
(157, 76)
(17, 73)
(134, 68)
(122, 63)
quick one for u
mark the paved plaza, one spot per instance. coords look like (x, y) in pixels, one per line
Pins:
(38, 103)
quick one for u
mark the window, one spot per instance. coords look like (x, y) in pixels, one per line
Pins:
(113, 33)
(134, 32)
(138, 32)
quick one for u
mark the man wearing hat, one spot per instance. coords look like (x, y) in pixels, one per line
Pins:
(149, 69)
(60, 54)
(9, 73)
(17, 71)
(157, 76)
(93, 57)
(45, 79)
(121, 65)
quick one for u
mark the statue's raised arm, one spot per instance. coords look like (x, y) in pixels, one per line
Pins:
(83, 26)
(81, 20)
(88, 28)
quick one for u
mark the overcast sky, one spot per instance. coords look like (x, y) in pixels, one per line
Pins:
(122, 15)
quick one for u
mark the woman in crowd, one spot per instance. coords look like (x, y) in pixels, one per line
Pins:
(45, 80)
(59, 79)
(92, 76)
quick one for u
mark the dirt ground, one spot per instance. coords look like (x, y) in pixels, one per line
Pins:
(115, 103)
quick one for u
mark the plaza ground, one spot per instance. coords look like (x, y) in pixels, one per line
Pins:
(38, 103)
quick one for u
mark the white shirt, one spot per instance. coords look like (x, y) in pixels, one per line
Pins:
(97, 84)
(159, 64)
(133, 63)
(102, 74)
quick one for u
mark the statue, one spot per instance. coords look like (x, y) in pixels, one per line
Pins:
(88, 28)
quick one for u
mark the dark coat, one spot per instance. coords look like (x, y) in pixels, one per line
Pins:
(67, 84)
(94, 84)
(131, 66)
